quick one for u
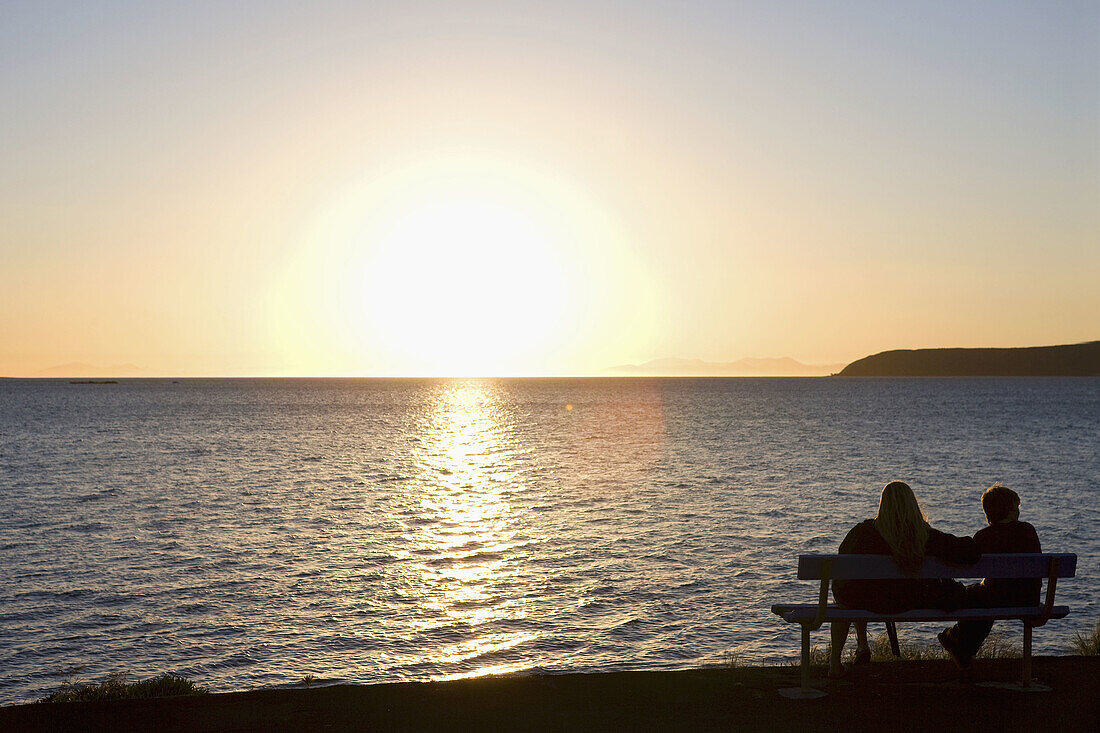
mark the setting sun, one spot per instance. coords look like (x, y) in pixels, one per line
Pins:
(461, 264)
(461, 284)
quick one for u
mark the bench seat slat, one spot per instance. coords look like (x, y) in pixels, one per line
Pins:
(794, 613)
(882, 567)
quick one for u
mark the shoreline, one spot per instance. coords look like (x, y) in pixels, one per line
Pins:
(901, 695)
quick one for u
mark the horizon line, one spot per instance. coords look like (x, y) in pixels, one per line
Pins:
(423, 376)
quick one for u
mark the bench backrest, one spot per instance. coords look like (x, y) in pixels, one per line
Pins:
(883, 567)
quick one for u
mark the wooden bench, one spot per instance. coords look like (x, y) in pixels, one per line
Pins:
(882, 567)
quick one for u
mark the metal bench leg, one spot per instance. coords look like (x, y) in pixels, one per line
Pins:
(804, 692)
(892, 632)
(1026, 684)
(1027, 655)
(806, 658)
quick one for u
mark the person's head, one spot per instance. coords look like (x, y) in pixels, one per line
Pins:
(1000, 504)
(902, 524)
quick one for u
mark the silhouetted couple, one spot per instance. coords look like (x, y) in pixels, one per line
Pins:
(901, 530)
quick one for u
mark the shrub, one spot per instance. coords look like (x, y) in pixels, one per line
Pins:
(735, 658)
(115, 687)
(1001, 645)
(1087, 645)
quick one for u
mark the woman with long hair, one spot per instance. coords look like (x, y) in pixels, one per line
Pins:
(900, 530)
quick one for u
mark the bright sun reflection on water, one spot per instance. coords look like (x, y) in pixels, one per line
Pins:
(472, 537)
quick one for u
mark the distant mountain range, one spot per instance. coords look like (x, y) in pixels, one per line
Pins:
(1071, 360)
(1036, 361)
(749, 367)
(79, 369)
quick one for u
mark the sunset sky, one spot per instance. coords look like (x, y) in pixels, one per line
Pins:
(410, 188)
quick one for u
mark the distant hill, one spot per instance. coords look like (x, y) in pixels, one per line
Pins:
(749, 367)
(1073, 360)
(78, 369)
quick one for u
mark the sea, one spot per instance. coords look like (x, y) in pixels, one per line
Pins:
(265, 533)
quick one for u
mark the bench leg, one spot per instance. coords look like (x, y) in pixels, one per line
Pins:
(806, 657)
(804, 692)
(1027, 655)
(1026, 684)
(892, 632)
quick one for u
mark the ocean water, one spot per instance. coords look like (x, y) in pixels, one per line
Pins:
(247, 533)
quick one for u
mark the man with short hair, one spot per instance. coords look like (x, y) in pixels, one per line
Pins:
(1005, 533)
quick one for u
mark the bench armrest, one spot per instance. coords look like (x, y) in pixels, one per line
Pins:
(1048, 604)
(823, 597)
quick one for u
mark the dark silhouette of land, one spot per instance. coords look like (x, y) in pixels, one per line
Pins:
(883, 696)
(1073, 360)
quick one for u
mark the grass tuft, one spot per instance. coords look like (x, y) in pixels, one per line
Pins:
(1087, 645)
(1001, 645)
(115, 687)
(736, 658)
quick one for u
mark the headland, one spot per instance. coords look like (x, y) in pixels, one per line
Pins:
(1071, 360)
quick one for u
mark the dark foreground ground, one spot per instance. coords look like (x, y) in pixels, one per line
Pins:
(909, 695)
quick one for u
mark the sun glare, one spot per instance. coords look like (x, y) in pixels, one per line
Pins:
(461, 265)
(464, 285)
(454, 266)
